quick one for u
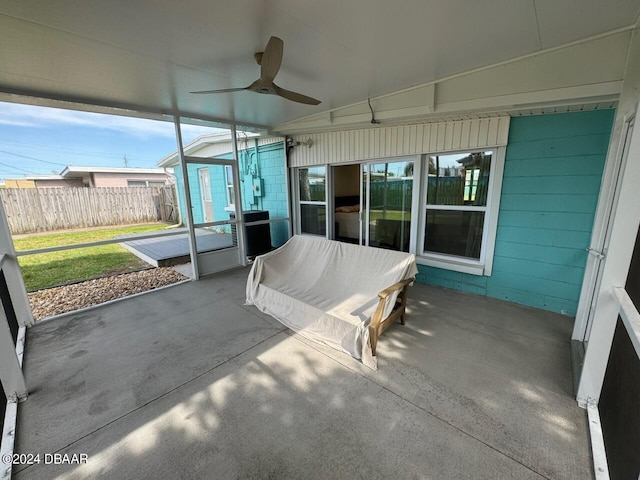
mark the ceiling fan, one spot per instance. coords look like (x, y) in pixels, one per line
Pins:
(269, 61)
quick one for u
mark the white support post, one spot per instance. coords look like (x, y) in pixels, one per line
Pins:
(193, 251)
(13, 274)
(13, 382)
(624, 230)
(237, 198)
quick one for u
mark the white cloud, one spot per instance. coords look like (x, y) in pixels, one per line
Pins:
(31, 116)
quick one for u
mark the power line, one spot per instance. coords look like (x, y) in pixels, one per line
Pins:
(32, 158)
(57, 148)
(17, 168)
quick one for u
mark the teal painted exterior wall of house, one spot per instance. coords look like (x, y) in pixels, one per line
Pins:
(272, 169)
(553, 170)
(266, 162)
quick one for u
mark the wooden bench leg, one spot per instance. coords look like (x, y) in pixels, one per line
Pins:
(373, 340)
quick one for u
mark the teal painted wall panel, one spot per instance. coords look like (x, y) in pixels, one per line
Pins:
(526, 235)
(556, 147)
(551, 183)
(573, 257)
(546, 220)
(586, 164)
(538, 127)
(582, 184)
(552, 202)
(536, 269)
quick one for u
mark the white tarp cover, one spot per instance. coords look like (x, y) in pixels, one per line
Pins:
(327, 291)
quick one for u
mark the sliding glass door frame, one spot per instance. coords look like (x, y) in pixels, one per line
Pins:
(365, 197)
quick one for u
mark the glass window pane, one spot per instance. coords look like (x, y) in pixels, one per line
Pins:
(460, 179)
(390, 205)
(454, 232)
(312, 184)
(313, 219)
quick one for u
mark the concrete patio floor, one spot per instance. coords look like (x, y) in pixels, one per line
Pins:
(188, 382)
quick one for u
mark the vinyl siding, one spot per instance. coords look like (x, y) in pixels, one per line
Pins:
(395, 141)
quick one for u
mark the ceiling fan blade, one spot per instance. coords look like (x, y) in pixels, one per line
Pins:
(295, 97)
(224, 90)
(271, 59)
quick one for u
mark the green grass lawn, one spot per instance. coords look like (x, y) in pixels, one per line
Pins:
(390, 215)
(50, 269)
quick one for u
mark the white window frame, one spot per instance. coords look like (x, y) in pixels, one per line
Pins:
(205, 187)
(136, 183)
(484, 265)
(132, 182)
(298, 202)
(231, 206)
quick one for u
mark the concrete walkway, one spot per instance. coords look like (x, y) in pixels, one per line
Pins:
(188, 382)
(174, 250)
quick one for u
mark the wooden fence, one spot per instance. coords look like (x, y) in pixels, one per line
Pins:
(43, 209)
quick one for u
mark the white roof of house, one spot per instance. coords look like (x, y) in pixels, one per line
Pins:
(74, 171)
(71, 169)
(43, 177)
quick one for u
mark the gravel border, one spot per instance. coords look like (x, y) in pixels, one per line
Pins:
(54, 301)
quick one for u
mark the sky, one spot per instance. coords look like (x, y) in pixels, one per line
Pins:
(41, 140)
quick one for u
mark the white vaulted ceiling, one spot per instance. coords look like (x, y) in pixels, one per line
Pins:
(149, 54)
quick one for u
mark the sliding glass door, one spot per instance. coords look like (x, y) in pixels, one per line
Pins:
(386, 198)
(363, 203)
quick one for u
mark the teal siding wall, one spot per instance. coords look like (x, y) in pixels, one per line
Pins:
(267, 162)
(553, 170)
(273, 170)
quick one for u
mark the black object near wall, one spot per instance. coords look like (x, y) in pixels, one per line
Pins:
(257, 238)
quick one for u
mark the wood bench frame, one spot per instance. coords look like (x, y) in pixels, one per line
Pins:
(378, 324)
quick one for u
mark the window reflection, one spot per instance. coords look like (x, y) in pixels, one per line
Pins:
(461, 179)
(312, 184)
(457, 192)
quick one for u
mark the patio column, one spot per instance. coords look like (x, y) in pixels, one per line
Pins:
(191, 234)
(624, 229)
(15, 309)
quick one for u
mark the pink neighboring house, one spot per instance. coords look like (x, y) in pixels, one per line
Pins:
(96, 177)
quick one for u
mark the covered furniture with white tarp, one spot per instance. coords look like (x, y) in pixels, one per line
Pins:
(339, 294)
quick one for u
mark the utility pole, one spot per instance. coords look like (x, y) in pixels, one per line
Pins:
(126, 162)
